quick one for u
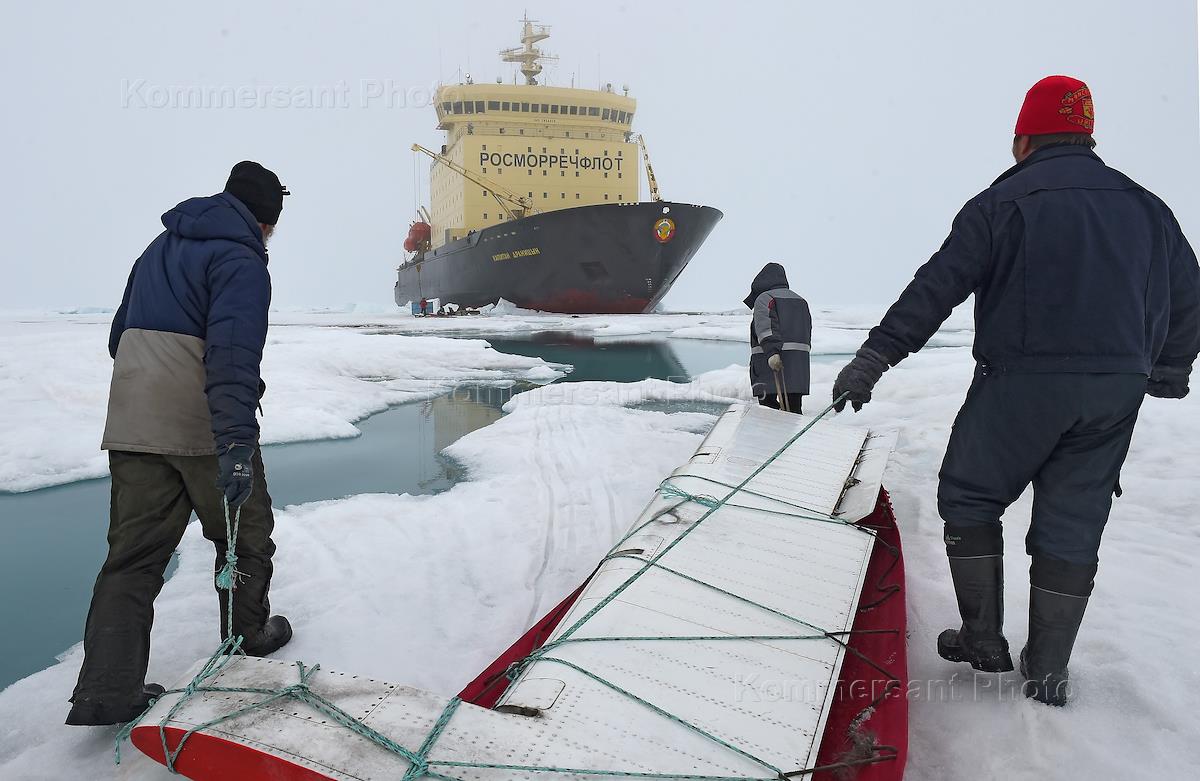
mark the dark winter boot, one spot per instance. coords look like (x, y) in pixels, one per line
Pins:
(979, 586)
(1058, 597)
(977, 569)
(91, 712)
(274, 635)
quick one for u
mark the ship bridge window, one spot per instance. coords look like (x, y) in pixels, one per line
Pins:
(493, 105)
(458, 108)
(446, 107)
(537, 107)
(623, 115)
(593, 111)
(574, 110)
(479, 107)
(468, 107)
(504, 106)
(554, 109)
(524, 106)
(545, 108)
(605, 115)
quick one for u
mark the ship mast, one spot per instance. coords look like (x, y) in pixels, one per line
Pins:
(529, 55)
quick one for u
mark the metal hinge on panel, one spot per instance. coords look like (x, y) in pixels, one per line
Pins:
(531, 696)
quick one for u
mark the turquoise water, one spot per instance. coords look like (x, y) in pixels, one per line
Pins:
(55, 537)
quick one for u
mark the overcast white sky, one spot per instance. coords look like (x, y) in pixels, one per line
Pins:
(838, 138)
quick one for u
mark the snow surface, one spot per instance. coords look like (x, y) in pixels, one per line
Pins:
(427, 590)
(55, 372)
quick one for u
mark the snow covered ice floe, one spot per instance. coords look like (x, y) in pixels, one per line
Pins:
(432, 587)
(429, 589)
(55, 371)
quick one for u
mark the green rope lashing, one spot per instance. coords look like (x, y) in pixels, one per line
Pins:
(420, 766)
(227, 577)
(620, 589)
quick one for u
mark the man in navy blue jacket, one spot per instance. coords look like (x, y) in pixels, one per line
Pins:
(182, 434)
(1087, 297)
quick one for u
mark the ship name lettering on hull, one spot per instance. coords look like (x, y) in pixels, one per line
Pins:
(517, 253)
(534, 160)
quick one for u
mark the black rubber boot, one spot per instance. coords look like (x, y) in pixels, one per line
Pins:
(979, 586)
(91, 712)
(1058, 597)
(274, 635)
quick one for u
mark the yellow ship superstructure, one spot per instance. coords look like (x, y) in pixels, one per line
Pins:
(558, 147)
(534, 200)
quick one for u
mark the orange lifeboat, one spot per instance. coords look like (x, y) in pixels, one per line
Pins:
(418, 236)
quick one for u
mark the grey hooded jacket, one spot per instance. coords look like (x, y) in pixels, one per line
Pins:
(782, 324)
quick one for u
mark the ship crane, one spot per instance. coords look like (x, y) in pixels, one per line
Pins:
(521, 205)
(654, 194)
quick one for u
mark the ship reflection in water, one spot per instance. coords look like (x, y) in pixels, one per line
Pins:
(472, 407)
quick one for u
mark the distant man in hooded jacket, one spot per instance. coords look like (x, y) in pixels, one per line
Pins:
(780, 340)
(182, 435)
(1087, 298)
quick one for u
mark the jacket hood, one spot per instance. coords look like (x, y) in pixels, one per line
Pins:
(218, 216)
(772, 276)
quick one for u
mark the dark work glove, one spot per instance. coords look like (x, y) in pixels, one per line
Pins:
(235, 474)
(1168, 382)
(857, 379)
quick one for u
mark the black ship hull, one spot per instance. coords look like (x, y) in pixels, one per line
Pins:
(607, 258)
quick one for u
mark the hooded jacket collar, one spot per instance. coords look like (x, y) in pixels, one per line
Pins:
(219, 216)
(771, 277)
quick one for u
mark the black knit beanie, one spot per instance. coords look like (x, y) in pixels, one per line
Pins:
(259, 189)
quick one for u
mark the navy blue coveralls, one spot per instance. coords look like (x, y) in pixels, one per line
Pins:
(1083, 282)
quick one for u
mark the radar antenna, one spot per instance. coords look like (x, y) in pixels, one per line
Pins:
(528, 55)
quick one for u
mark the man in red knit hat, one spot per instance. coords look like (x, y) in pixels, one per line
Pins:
(1087, 297)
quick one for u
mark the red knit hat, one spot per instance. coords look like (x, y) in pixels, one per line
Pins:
(1056, 104)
